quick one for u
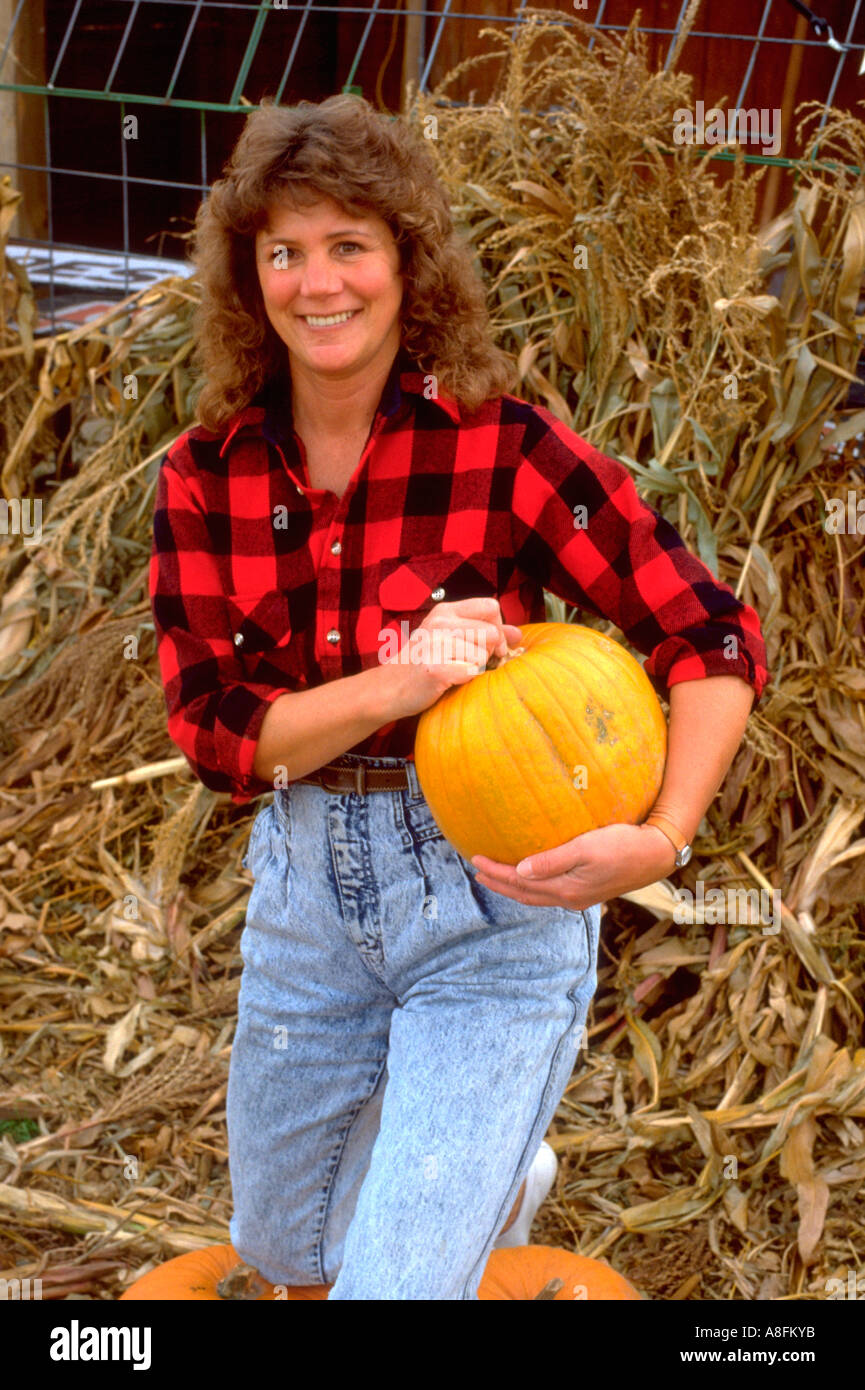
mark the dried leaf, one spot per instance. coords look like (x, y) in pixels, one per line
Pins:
(807, 245)
(119, 1037)
(547, 196)
(736, 1205)
(647, 1052)
(669, 1211)
(797, 1165)
(849, 285)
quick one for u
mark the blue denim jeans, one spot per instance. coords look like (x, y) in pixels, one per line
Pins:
(404, 1038)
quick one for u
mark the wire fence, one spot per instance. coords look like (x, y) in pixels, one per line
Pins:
(181, 24)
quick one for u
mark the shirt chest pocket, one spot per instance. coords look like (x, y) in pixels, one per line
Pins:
(259, 623)
(411, 585)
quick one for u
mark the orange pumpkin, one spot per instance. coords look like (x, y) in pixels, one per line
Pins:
(521, 1272)
(566, 734)
(213, 1273)
(524, 1272)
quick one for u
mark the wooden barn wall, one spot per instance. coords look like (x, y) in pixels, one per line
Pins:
(86, 134)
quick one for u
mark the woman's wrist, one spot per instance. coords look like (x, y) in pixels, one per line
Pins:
(685, 821)
(666, 848)
(380, 694)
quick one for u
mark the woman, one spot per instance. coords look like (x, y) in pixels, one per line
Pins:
(407, 1021)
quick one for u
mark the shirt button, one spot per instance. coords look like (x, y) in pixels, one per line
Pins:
(298, 488)
(238, 639)
(333, 635)
(438, 593)
(336, 548)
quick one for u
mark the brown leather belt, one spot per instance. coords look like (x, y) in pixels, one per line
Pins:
(360, 778)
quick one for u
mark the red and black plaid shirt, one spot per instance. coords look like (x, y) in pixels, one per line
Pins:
(262, 585)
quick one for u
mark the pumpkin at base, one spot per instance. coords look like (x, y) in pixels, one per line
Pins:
(564, 735)
(521, 1272)
(524, 1272)
(215, 1272)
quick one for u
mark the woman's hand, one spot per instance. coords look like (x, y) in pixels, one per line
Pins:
(457, 641)
(591, 868)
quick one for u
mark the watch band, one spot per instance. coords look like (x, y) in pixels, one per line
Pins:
(674, 835)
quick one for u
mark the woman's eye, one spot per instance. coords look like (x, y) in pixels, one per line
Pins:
(280, 254)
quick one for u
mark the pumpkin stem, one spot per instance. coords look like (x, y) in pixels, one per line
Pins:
(495, 661)
(240, 1283)
(549, 1290)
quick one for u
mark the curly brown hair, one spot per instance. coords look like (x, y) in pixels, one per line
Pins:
(367, 162)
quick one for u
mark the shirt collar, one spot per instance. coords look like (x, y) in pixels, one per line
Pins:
(269, 412)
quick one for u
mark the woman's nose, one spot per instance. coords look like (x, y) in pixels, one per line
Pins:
(320, 276)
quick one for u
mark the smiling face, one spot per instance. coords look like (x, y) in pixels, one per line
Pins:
(317, 265)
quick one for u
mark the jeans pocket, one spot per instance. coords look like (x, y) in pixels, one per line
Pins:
(259, 846)
(498, 909)
(420, 822)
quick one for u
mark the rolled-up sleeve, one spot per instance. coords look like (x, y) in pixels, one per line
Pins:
(214, 715)
(582, 529)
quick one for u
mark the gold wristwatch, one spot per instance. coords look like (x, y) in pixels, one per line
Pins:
(675, 836)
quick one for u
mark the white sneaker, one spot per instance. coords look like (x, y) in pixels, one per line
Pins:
(539, 1180)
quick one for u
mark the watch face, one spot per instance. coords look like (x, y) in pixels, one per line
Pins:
(683, 856)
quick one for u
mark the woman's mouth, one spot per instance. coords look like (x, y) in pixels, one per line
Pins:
(321, 322)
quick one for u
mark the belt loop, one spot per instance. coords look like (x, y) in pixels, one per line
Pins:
(412, 780)
(360, 779)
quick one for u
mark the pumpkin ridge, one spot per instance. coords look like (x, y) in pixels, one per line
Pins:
(557, 757)
(444, 806)
(432, 764)
(431, 751)
(500, 720)
(596, 674)
(636, 682)
(586, 663)
(479, 707)
(548, 692)
(485, 705)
